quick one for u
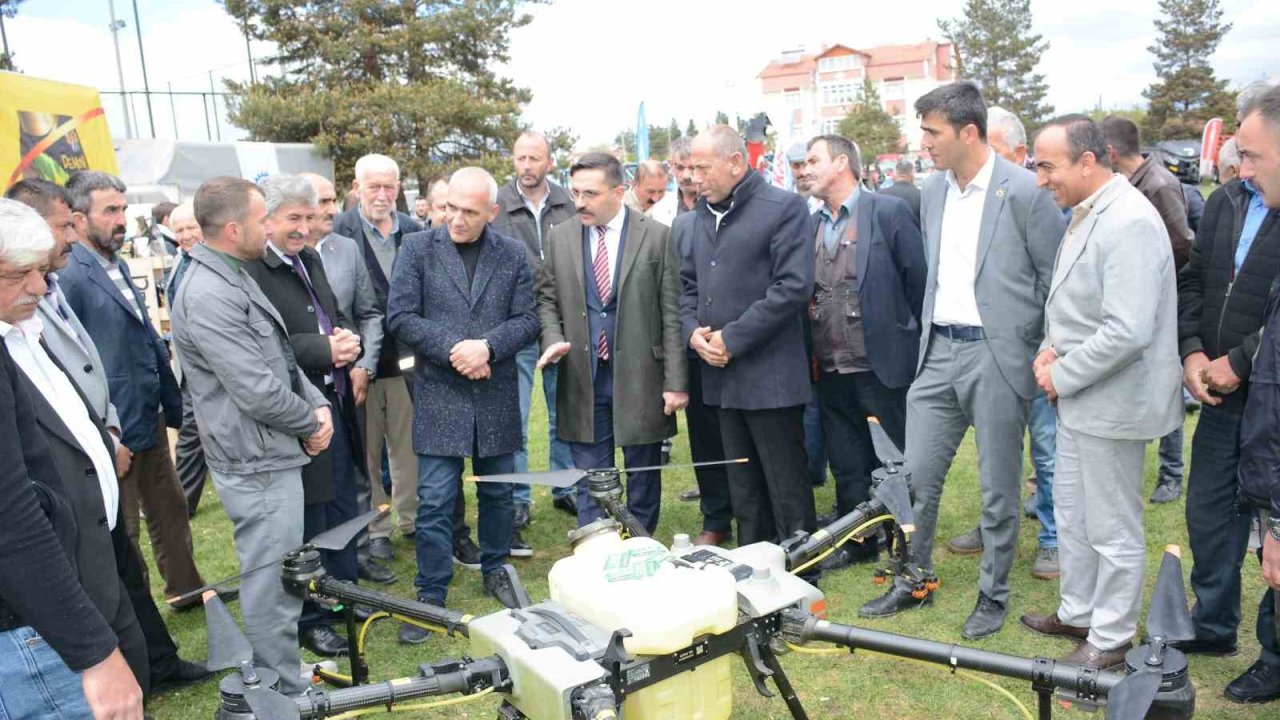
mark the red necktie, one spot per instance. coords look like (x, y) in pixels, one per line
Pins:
(601, 268)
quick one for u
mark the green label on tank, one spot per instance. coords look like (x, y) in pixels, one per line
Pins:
(633, 564)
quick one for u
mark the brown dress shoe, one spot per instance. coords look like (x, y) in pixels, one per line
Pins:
(706, 537)
(1051, 625)
(1088, 655)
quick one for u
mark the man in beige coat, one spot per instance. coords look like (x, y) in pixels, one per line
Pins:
(608, 299)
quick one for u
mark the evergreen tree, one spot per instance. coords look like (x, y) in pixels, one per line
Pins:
(995, 48)
(673, 130)
(1186, 95)
(411, 79)
(721, 118)
(691, 130)
(867, 124)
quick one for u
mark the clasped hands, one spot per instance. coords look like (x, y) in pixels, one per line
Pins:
(1042, 366)
(344, 347)
(471, 359)
(1201, 375)
(710, 347)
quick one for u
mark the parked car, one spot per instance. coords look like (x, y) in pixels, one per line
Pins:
(1181, 157)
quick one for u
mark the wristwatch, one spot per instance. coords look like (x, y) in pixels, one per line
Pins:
(1273, 526)
(489, 347)
(367, 371)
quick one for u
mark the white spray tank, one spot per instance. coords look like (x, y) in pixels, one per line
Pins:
(614, 583)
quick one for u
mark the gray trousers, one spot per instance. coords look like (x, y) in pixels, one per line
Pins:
(1097, 494)
(960, 386)
(266, 514)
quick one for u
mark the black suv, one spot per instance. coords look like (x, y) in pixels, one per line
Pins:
(1181, 157)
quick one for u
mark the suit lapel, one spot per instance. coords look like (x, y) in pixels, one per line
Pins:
(99, 276)
(864, 209)
(484, 267)
(65, 328)
(937, 204)
(630, 242)
(47, 417)
(1068, 261)
(575, 254)
(453, 266)
(991, 210)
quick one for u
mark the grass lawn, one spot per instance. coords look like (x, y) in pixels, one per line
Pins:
(844, 686)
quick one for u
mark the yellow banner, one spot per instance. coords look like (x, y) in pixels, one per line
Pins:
(50, 130)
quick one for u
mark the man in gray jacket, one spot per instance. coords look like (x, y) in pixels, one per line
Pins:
(259, 418)
(1110, 361)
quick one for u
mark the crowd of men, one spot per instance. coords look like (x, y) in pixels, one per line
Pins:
(317, 352)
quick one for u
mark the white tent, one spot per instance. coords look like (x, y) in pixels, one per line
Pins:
(172, 170)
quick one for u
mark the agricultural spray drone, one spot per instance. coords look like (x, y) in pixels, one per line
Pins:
(638, 630)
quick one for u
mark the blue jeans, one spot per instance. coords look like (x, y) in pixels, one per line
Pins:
(815, 443)
(1043, 429)
(561, 458)
(36, 683)
(437, 494)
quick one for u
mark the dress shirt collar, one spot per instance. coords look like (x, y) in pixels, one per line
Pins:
(368, 224)
(980, 182)
(615, 225)
(846, 208)
(288, 259)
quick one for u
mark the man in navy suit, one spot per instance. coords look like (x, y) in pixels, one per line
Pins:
(98, 286)
(869, 274)
(462, 302)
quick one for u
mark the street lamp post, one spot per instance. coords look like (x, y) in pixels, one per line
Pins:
(116, 27)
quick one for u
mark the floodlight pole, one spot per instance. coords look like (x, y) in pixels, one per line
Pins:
(116, 27)
(146, 88)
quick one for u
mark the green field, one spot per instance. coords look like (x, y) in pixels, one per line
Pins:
(836, 686)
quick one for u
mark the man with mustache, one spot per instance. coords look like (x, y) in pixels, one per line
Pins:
(99, 289)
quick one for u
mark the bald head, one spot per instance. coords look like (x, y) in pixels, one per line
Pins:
(326, 207)
(650, 185)
(472, 203)
(721, 140)
(719, 162)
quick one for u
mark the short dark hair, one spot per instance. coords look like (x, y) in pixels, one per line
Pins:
(1083, 135)
(39, 194)
(838, 145)
(1266, 104)
(600, 161)
(82, 185)
(1122, 134)
(960, 103)
(222, 200)
(904, 166)
(160, 211)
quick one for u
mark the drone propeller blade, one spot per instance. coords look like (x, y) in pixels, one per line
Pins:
(200, 591)
(1168, 616)
(896, 496)
(678, 466)
(1133, 696)
(268, 704)
(228, 647)
(886, 449)
(338, 537)
(549, 478)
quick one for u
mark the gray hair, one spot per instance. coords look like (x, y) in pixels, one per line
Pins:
(1267, 105)
(1250, 92)
(82, 185)
(476, 174)
(650, 168)
(282, 190)
(25, 238)
(725, 140)
(1229, 155)
(185, 210)
(374, 163)
(1008, 125)
(681, 147)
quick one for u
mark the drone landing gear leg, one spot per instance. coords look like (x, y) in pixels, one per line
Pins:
(359, 666)
(783, 682)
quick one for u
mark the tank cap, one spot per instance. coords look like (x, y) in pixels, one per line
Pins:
(603, 526)
(761, 573)
(680, 541)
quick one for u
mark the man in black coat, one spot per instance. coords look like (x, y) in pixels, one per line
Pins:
(292, 276)
(869, 276)
(78, 669)
(747, 282)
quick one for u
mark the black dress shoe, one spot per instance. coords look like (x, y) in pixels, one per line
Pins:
(519, 548)
(183, 673)
(892, 603)
(1259, 684)
(691, 494)
(380, 549)
(520, 515)
(986, 619)
(323, 641)
(373, 572)
(412, 634)
(567, 504)
(1207, 647)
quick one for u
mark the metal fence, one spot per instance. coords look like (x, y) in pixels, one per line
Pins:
(176, 114)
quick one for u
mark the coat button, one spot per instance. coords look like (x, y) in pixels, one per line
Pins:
(708, 301)
(713, 263)
(88, 368)
(310, 309)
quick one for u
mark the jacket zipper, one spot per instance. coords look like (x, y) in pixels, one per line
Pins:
(1222, 315)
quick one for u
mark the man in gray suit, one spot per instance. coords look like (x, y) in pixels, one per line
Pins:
(1110, 361)
(990, 237)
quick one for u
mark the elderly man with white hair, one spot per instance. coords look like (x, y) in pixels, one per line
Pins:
(462, 302)
(380, 229)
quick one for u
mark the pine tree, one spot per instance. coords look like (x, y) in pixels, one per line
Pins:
(673, 130)
(1187, 95)
(691, 130)
(995, 48)
(721, 118)
(411, 79)
(867, 124)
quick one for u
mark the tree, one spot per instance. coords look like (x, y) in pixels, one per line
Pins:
(995, 48)
(562, 141)
(867, 124)
(673, 130)
(1186, 95)
(721, 118)
(411, 79)
(8, 9)
(691, 130)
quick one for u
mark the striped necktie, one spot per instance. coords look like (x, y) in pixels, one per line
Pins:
(601, 268)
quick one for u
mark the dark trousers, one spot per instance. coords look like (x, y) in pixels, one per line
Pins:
(705, 445)
(1217, 524)
(771, 493)
(644, 489)
(319, 517)
(148, 647)
(1266, 627)
(847, 401)
(189, 455)
(437, 496)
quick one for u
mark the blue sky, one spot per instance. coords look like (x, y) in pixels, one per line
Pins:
(684, 58)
